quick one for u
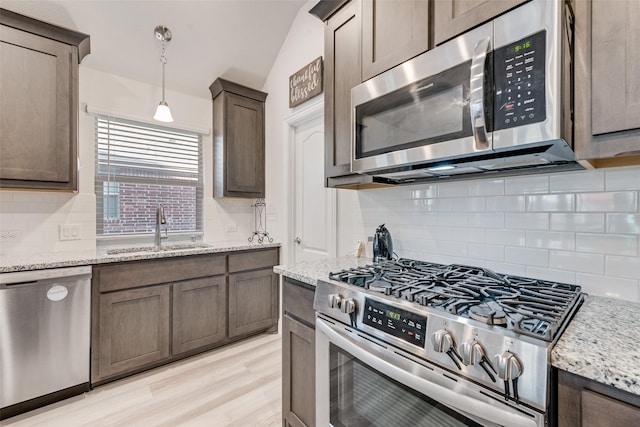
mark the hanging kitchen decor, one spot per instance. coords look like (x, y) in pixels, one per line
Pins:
(260, 220)
(163, 113)
(305, 83)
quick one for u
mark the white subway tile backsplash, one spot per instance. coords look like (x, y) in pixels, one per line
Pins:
(613, 244)
(453, 219)
(577, 181)
(468, 204)
(577, 222)
(453, 189)
(486, 187)
(474, 235)
(623, 179)
(551, 240)
(527, 256)
(506, 237)
(621, 201)
(527, 221)
(486, 252)
(561, 276)
(575, 261)
(550, 203)
(527, 185)
(506, 204)
(438, 232)
(607, 286)
(621, 266)
(623, 223)
(458, 249)
(423, 218)
(425, 192)
(487, 220)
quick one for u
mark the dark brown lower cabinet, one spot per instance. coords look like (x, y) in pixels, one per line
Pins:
(298, 355)
(587, 403)
(199, 313)
(253, 301)
(134, 329)
(151, 312)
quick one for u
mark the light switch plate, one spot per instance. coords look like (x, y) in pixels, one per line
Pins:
(69, 232)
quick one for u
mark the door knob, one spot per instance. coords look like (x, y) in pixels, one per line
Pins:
(297, 240)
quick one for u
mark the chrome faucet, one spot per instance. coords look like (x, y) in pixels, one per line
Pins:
(160, 219)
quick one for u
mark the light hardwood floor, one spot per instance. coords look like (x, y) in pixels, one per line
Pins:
(238, 385)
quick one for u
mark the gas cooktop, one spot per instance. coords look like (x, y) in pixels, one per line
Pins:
(528, 306)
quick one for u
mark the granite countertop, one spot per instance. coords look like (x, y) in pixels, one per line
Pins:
(601, 343)
(310, 271)
(117, 254)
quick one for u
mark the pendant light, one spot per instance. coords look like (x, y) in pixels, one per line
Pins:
(163, 113)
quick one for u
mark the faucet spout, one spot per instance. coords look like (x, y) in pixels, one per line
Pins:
(160, 219)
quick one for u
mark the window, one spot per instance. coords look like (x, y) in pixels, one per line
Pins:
(140, 166)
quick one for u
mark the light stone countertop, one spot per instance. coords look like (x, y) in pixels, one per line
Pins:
(601, 343)
(71, 259)
(310, 271)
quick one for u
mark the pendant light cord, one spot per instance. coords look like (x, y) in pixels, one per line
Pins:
(163, 59)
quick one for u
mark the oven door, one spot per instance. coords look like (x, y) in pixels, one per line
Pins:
(360, 382)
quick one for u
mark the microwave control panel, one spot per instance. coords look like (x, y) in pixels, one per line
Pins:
(519, 72)
(402, 324)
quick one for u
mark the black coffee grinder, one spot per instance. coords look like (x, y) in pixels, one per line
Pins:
(382, 244)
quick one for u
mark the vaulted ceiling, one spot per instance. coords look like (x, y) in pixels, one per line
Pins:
(234, 39)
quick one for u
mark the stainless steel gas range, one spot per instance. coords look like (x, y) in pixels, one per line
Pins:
(412, 343)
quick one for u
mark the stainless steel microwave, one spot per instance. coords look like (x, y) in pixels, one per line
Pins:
(497, 98)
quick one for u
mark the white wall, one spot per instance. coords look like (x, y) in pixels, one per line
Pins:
(34, 216)
(304, 43)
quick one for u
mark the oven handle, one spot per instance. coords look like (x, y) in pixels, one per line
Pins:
(476, 97)
(444, 395)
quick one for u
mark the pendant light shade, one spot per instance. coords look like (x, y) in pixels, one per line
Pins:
(163, 113)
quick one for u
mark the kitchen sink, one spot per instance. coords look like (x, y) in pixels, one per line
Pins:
(163, 248)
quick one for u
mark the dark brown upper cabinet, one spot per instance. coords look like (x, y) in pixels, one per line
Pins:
(39, 103)
(238, 140)
(392, 32)
(607, 66)
(453, 17)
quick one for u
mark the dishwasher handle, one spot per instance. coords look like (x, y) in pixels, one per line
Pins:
(32, 277)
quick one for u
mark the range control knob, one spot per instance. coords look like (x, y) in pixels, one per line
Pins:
(348, 306)
(442, 342)
(509, 368)
(472, 353)
(335, 300)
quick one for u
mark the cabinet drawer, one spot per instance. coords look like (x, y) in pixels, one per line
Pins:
(136, 274)
(297, 301)
(253, 260)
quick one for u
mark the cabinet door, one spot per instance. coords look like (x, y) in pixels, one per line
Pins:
(599, 411)
(253, 301)
(392, 32)
(607, 105)
(244, 160)
(453, 17)
(134, 329)
(298, 374)
(38, 79)
(199, 313)
(342, 72)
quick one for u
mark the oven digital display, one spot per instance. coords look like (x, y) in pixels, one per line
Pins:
(403, 324)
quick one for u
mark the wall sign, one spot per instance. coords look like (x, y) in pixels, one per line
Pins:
(305, 83)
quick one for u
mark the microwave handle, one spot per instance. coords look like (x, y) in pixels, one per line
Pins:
(476, 98)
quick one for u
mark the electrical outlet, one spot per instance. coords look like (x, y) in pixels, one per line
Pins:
(69, 232)
(11, 235)
(231, 228)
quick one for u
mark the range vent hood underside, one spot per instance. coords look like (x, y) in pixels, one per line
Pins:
(552, 156)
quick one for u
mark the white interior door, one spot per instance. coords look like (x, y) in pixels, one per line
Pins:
(313, 230)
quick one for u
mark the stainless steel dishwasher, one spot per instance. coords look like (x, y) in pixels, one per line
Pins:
(44, 335)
